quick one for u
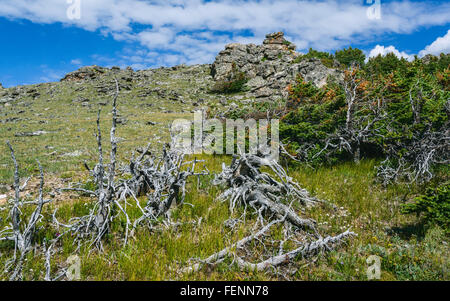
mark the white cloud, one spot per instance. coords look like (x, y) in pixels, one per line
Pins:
(76, 62)
(156, 39)
(51, 75)
(390, 49)
(441, 45)
(195, 30)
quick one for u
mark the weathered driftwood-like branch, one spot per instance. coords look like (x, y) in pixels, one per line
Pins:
(264, 192)
(424, 152)
(305, 250)
(249, 186)
(163, 180)
(97, 223)
(48, 254)
(219, 256)
(22, 234)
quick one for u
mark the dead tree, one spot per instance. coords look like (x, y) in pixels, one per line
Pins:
(49, 252)
(420, 155)
(22, 234)
(271, 199)
(415, 157)
(364, 113)
(163, 181)
(353, 95)
(249, 186)
(418, 94)
(97, 224)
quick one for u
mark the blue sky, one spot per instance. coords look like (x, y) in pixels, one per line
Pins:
(44, 39)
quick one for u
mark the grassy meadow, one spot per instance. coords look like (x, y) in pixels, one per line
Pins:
(409, 250)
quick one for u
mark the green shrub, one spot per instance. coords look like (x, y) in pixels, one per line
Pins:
(326, 58)
(383, 65)
(437, 63)
(329, 63)
(235, 83)
(349, 56)
(256, 110)
(314, 114)
(433, 206)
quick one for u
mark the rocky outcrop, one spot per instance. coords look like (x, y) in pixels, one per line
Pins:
(270, 67)
(277, 39)
(312, 70)
(84, 73)
(429, 58)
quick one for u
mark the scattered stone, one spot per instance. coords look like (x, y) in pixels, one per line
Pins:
(30, 134)
(122, 120)
(4, 188)
(74, 154)
(80, 100)
(12, 119)
(33, 93)
(127, 78)
(102, 89)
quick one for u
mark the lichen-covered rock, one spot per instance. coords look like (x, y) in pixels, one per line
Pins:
(84, 73)
(312, 70)
(269, 67)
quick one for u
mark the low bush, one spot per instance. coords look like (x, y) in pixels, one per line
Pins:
(433, 206)
(234, 84)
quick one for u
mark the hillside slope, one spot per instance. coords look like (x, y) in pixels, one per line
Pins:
(55, 123)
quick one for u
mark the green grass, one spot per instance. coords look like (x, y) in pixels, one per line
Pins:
(71, 126)
(409, 249)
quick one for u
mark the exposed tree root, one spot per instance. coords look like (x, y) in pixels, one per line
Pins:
(249, 187)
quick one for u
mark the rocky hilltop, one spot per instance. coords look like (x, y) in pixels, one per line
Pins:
(90, 86)
(270, 67)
